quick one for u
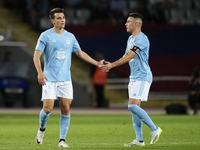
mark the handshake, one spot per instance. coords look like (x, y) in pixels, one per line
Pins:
(105, 65)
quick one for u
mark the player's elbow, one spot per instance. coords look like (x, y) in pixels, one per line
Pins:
(33, 58)
(36, 58)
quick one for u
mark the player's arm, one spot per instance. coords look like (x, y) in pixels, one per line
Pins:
(81, 54)
(37, 63)
(126, 58)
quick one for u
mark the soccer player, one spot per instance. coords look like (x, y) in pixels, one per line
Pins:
(137, 53)
(57, 45)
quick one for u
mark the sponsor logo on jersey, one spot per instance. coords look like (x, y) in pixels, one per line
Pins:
(61, 54)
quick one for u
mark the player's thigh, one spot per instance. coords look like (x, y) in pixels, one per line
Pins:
(134, 101)
(65, 105)
(65, 102)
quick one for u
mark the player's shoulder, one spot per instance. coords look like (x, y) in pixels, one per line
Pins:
(67, 33)
(129, 38)
(47, 32)
(142, 37)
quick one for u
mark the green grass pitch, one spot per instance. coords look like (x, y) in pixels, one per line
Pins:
(98, 132)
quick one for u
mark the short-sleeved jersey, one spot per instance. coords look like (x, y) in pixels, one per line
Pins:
(139, 64)
(57, 50)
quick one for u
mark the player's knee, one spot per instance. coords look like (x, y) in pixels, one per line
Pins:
(47, 110)
(65, 109)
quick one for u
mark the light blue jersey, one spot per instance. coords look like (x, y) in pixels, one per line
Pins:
(139, 65)
(57, 50)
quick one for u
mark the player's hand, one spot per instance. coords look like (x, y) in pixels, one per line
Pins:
(101, 63)
(106, 67)
(106, 62)
(41, 79)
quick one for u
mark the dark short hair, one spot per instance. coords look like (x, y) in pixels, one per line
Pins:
(55, 10)
(136, 15)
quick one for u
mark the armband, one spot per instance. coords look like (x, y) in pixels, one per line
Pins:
(135, 49)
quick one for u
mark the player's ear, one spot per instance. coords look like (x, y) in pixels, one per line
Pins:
(136, 23)
(52, 21)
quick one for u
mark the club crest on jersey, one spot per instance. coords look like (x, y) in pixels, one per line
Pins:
(67, 40)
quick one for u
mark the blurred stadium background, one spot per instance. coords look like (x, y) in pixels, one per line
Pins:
(173, 27)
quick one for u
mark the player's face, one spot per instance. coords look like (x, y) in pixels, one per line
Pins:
(59, 20)
(130, 24)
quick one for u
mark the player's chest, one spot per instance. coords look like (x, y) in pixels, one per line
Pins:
(131, 43)
(60, 42)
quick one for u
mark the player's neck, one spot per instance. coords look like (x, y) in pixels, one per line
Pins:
(58, 30)
(136, 32)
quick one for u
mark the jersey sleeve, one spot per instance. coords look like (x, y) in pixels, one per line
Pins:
(140, 43)
(41, 43)
(76, 46)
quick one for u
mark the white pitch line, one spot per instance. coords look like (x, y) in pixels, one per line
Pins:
(101, 143)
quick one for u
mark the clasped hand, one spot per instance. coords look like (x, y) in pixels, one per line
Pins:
(105, 65)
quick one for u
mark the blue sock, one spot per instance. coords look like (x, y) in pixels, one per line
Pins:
(64, 125)
(137, 124)
(142, 115)
(43, 118)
